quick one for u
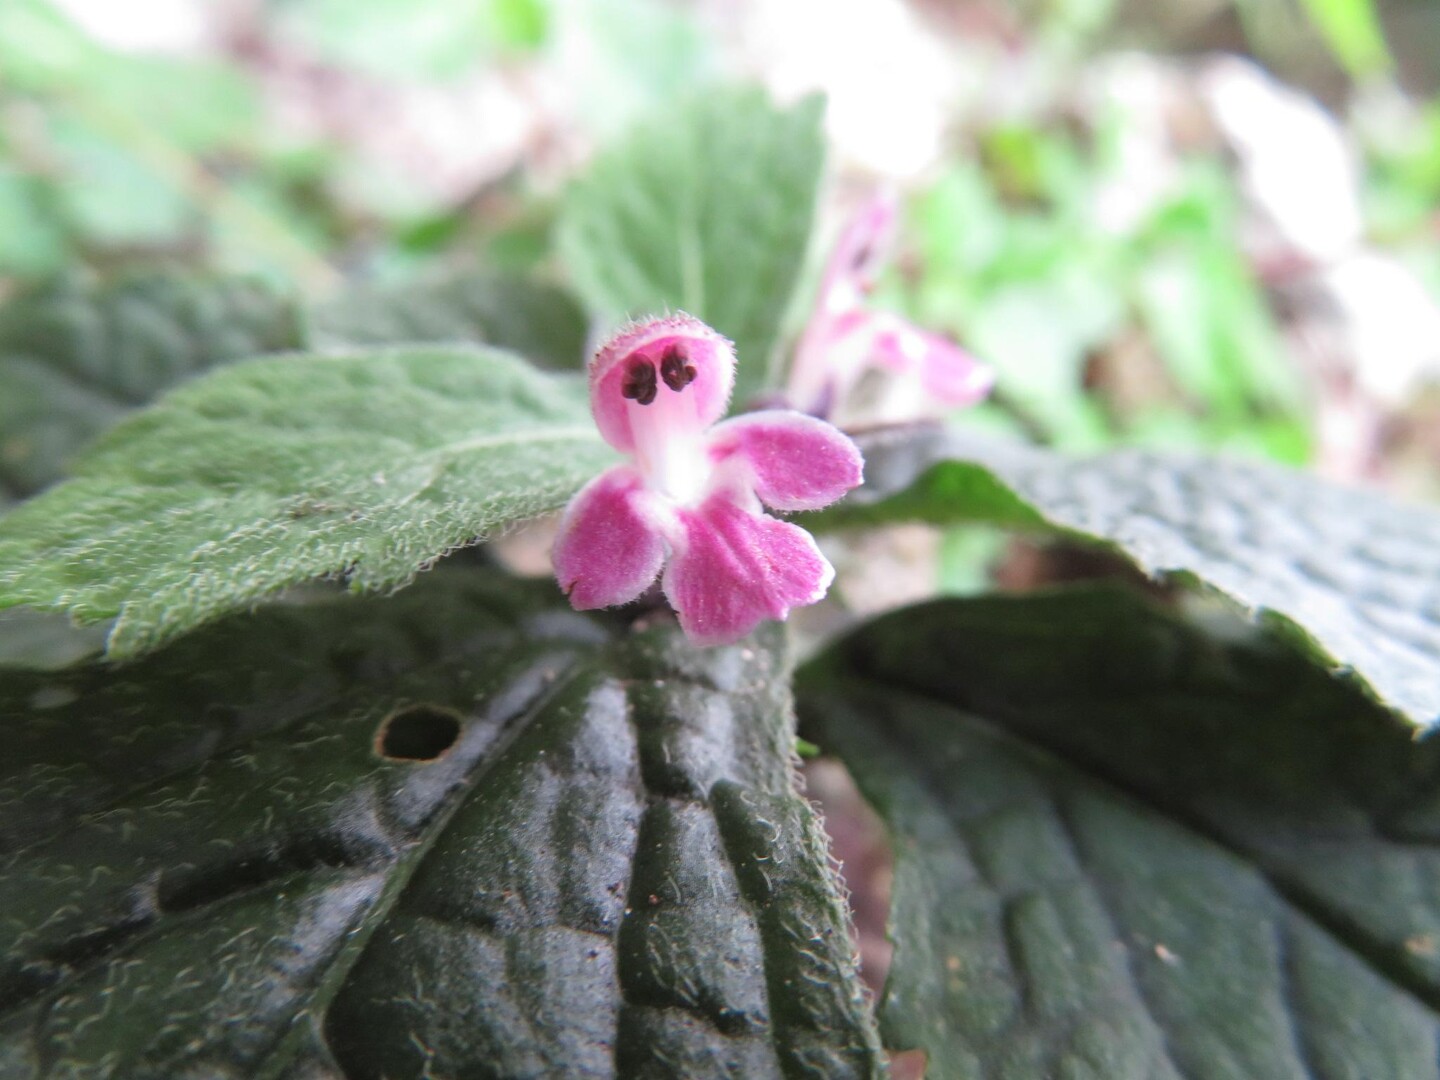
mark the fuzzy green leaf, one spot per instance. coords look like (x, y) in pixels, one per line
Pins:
(75, 359)
(706, 209)
(1350, 573)
(278, 471)
(460, 831)
(1132, 848)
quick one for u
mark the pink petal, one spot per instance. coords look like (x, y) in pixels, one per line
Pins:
(943, 368)
(793, 461)
(626, 416)
(610, 547)
(954, 376)
(859, 253)
(841, 347)
(736, 568)
(814, 381)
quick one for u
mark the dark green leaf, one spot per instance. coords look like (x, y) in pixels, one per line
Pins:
(278, 471)
(1349, 572)
(705, 209)
(75, 359)
(583, 856)
(539, 322)
(1129, 847)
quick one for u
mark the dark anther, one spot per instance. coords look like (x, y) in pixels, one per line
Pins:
(639, 384)
(675, 371)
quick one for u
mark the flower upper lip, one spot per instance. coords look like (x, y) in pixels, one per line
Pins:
(707, 392)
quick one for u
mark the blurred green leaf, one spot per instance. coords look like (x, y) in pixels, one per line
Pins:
(967, 555)
(40, 48)
(111, 195)
(1077, 19)
(522, 246)
(1209, 318)
(416, 40)
(32, 239)
(1212, 327)
(1402, 178)
(1130, 847)
(74, 359)
(1066, 305)
(274, 472)
(219, 109)
(1038, 337)
(707, 208)
(957, 225)
(1351, 28)
(519, 24)
(542, 323)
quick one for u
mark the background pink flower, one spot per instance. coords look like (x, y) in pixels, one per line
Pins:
(844, 338)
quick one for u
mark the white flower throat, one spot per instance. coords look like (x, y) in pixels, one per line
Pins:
(668, 430)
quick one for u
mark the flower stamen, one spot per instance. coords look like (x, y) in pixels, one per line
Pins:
(675, 369)
(639, 385)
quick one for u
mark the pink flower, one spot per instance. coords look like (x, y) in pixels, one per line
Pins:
(843, 338)
(690, 499)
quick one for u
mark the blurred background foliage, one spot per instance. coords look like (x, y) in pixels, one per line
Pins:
(1209, 223)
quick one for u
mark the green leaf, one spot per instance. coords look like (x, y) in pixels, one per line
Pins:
(32, 242)
(1348, 572)
(705, 209)
(281, 470)
(540, 322)
(74, 359)
(112, 193)
(1211, 327)
(519, 24)
(1037, 334)
(1352, 30)
(1128, 847)
(41, 48)
(461, 831)
(413, 40)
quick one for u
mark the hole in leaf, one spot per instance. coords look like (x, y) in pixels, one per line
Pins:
(417, 733)
(867, 865)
